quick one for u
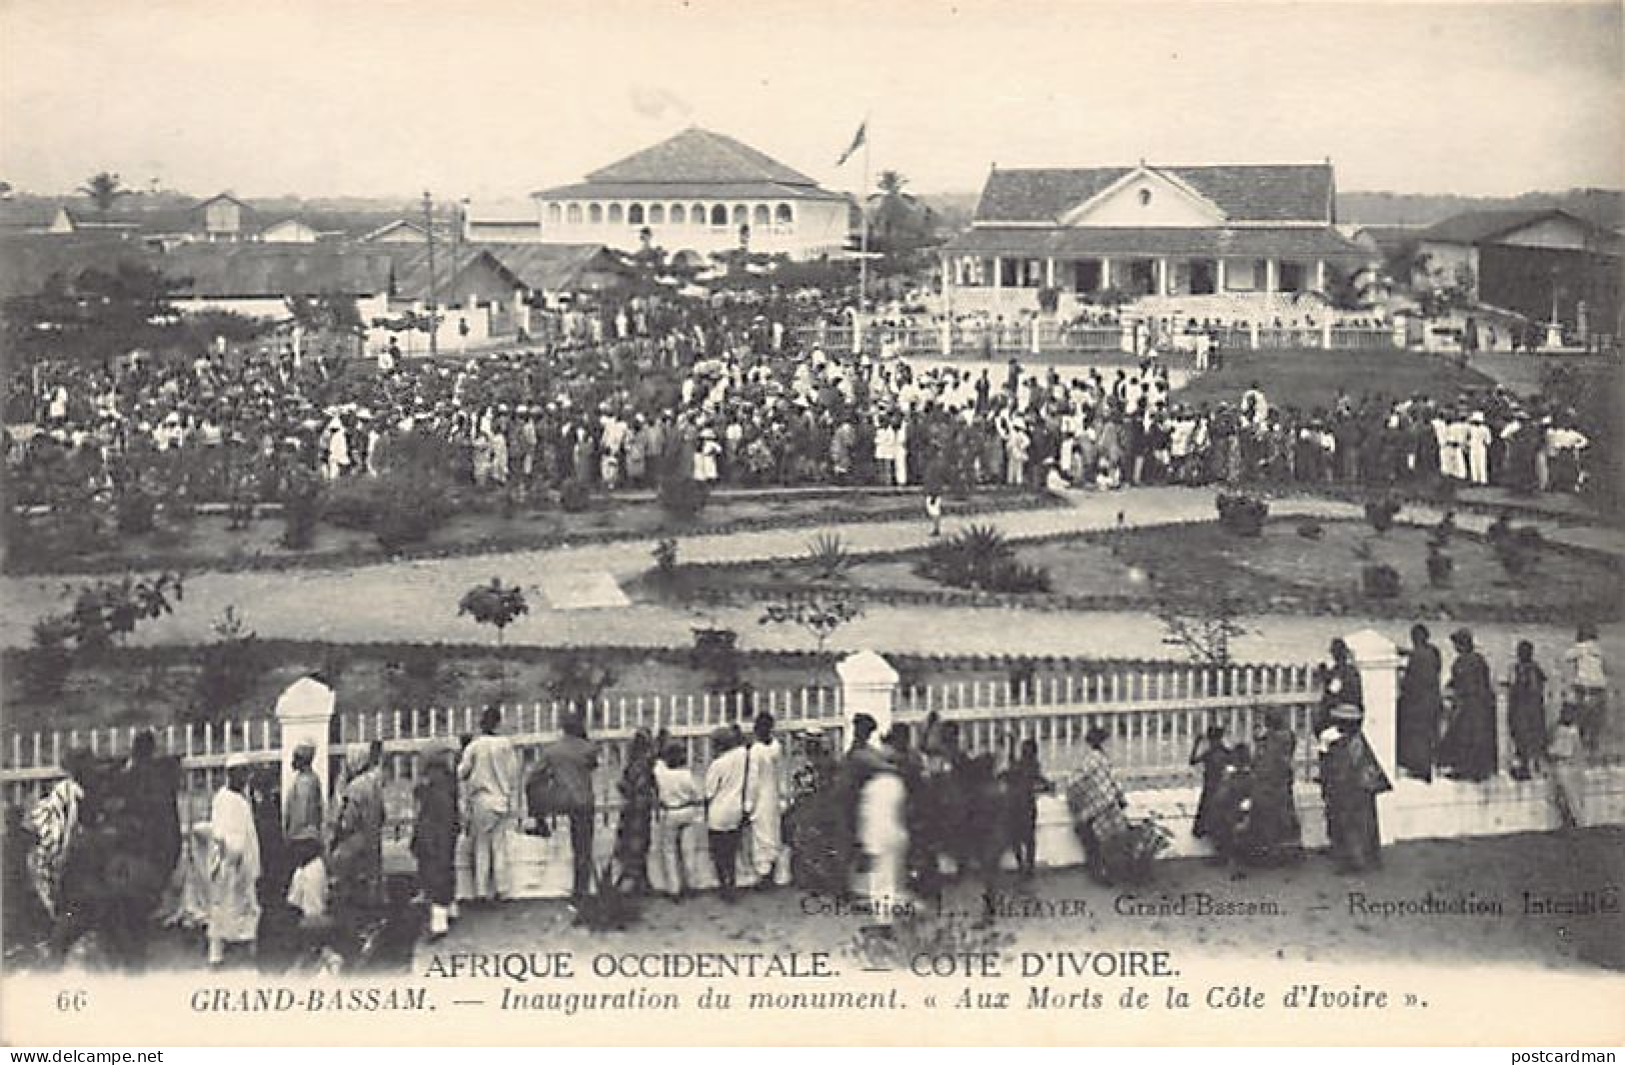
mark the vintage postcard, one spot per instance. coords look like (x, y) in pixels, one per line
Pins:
(805, 522)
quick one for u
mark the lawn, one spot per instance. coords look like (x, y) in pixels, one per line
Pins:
(206, 542)
(1313, 378)
(1281, 571)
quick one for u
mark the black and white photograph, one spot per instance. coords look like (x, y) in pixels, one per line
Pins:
(812, 522)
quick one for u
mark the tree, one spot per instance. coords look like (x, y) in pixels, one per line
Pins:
(93, 315)
(108, 610)
(820, 613)
(497, 605)
(1203, 628)
(104, 190)
(900, 226)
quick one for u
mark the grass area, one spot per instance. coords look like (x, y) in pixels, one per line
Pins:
(206, 542)
(1312, 378)
(1281, 571)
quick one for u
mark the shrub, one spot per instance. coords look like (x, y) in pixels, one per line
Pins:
(829, 557)
(45, 669)
(301, 509)
(494, 604)
(1440, 567)
(574, 497)
(1241, 514)
(1380, 513)
(1380, 581)
(231, 666)
(665, 556)
(354, 504)
(1020, 578)
(682, 498)
(409, 516)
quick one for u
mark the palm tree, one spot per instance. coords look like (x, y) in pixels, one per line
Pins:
(104, 190)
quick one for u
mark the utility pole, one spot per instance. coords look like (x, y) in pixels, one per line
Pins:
(428, 228)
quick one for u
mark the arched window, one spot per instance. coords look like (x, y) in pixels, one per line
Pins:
(784, 216)
(657, 214)
(555, 214)
(696, 214)
(616, 214)
(634, 215)
(595, 215)
(761, 216)
(572, 214)
(741, 215)
(719, 215)
(678, 215)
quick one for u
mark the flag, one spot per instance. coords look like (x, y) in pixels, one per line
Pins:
(857, 142)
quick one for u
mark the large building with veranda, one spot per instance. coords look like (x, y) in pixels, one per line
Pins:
(1245, 241)
(695, 194)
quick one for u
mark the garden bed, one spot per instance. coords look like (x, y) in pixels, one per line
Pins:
(1188, 565)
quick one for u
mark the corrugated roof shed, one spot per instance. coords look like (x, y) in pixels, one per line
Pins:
(260, 270)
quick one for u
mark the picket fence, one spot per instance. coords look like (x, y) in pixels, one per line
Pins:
(1042, 336)
(1153, 717)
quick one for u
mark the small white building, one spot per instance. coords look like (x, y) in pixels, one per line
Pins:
(697, 192)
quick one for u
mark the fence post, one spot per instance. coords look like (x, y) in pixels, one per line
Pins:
(868, 686)
(305, 711)
(947, 336)
(1326, 335)
(1377, 658)
(1253, 328)
(1035, 336)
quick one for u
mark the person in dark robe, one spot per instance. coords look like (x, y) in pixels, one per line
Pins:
(1469, 745)
(1421, 704)
(1350, 781)
(434, 837)
(1339, 684)
(1526, 711)
(1211, 752)
(1272, 833)
(638, 799)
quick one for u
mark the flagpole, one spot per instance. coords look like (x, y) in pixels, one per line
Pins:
(863, 213)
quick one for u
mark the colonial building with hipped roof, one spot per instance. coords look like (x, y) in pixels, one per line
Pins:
(697, 193)
(1230, 241)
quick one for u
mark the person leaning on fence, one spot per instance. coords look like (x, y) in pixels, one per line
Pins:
(725, 787)
(681, 810)
(489, 771)
(564, 773)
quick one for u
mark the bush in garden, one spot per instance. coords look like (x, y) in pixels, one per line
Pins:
(979, 557)
(1380, 513)
(829, 557)
(105, 611)
(820, 613)
(682, 498)
(1440, 567)
(665, 556)
(301, 510)
(1379, 580)
(135, 511)
(1241, 514)
(578, 683)
(408, 515)
(574, 497)
(45, 669)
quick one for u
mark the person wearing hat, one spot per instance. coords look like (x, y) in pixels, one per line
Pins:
(1350, 781)
(358, 837)
(1469, 746)
(302, 818)
(234, 864)
(490, 772)
(1340, 683)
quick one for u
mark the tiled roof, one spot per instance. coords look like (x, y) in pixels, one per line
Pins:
(1248, 193)
(27, 261)
(1482, 227)
(1323, 241)
(699, 155)
(681, 191)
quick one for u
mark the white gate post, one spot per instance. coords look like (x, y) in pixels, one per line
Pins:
(948, 336)
(868, 686)
(305, 712)
(1377, 658)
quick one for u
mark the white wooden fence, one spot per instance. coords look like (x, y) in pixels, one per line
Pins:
(1153, 716)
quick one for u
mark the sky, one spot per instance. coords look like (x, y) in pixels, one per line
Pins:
(493, 99)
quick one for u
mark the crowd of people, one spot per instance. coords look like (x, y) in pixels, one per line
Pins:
(730, 398)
